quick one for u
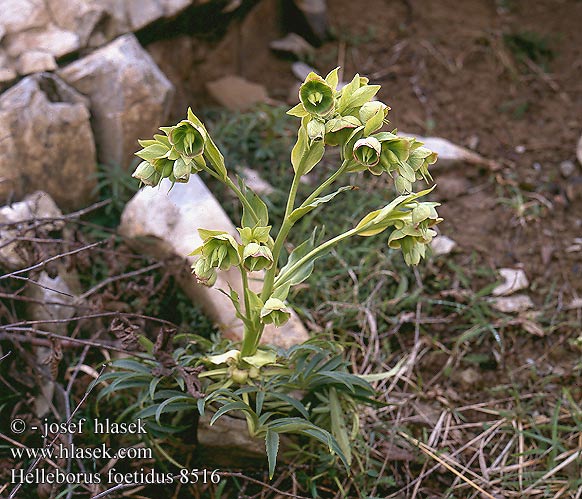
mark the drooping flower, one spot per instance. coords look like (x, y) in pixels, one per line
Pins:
(219, 249)
(275, 312)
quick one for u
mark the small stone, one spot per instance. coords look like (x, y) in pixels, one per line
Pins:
(473, 142)
(520, 149)
(293, 44)
(579, 151)
(576, 303)
(567, 168)
(236, 93)
(35, 61)
(442, 245)
(515, 280)
(512, 304)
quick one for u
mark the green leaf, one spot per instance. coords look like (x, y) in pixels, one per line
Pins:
(231, 406)
(313, 156)
(374, 123)
(152, 152)
(347, 92)
(362, 95)
(338, 426)
(168, 402)
(298, 111)
(306, 154)
(291, 401)
(332, 79)
(131, 365)
(297, 254)
(215, 156)
(259, 216)
(272, 446)
(299, 148)
(261, 358)
(297, 213)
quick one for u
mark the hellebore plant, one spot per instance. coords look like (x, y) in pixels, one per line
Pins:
(308, 389)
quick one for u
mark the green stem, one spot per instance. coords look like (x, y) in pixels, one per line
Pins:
(249, 335)
(280, 239)
(327, 183)
(229, 183)
(316, 252)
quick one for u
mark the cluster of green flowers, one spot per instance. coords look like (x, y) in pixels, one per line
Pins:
(351, 119)
(220, 251)
(175, 155)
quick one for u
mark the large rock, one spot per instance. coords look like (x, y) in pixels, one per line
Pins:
(47, 141)
(162, 223)
(130, 97)
(62, 27)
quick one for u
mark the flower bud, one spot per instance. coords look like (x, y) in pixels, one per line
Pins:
(339, 129)
(369, 109)
(315, 130)
(181, 171)
(239, 376)
(367, 151)
(187, 138)
(257, 257)
(147, 174)
(275, 312)
(204, 273)
(316, 95)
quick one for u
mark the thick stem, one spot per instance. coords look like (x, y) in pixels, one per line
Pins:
(249, 335)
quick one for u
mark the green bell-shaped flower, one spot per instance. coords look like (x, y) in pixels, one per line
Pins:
(147, 174)
(187, 138)
(412, 242)
(219, 248)
(257, 257)
(367, 151)
(275, 312)
(181, 171)
(204, 273)
(316, 95)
